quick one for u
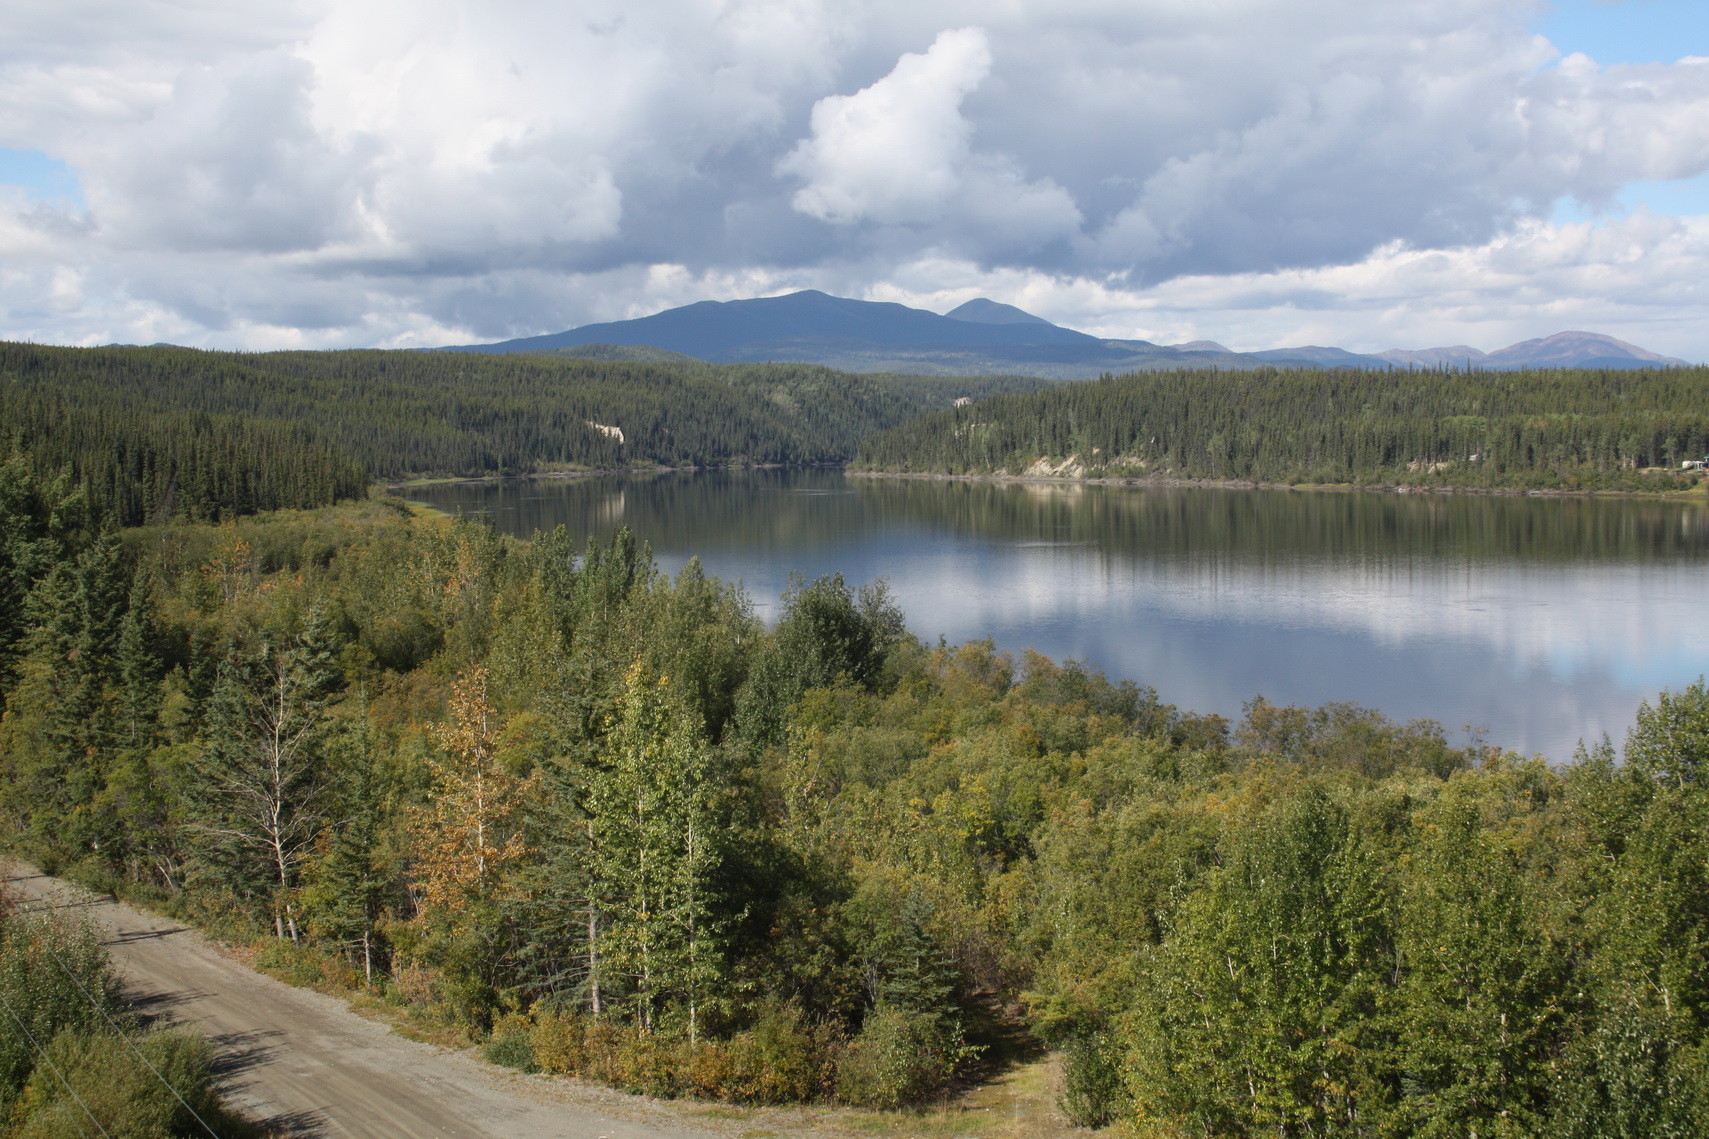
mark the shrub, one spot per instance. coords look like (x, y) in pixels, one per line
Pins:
(780, 1060)
(649, 1064)
(511, 1044)
(601, 1047)
(901, 1058)
(55, 977)
(292, 963)
(709, 1070)
(113, 1083)
(1093, 1092)
(416, 985)
(559, 1041)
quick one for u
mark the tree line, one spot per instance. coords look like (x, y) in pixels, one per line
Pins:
(1559, 429)
(136, 464)
(608, 823)
(154, 434)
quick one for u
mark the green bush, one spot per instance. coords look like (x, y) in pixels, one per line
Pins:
(510, 1052)
(289, 961)
(511, 1044)
(900, 1059)
(707, 1072)
(110, 1081)
(649, 1064)
(640, 1062)
(1093, 1092)
(602, 1046)
(55, 977)
(780, 1060)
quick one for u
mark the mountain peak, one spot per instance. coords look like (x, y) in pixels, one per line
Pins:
(983, 310)
(1562, 350)
(984, 336)
(1575, 349)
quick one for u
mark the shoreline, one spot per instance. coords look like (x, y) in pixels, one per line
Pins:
(603, 472)
(1696, 493)
(414, 484)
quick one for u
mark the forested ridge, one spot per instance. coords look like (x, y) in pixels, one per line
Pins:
(608, 823)
(160, 433)
(1556, 429)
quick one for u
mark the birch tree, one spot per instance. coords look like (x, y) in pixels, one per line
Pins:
(263, 783)
(658, 847)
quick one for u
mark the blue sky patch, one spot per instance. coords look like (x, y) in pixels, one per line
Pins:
(1628, 31)
(43, 178)
(1633, 31)
(1680, 198)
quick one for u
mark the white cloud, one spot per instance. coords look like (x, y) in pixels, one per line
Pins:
(899, 153)
(893, 152)
(1643, 278)
(395, 171)
(231, 161)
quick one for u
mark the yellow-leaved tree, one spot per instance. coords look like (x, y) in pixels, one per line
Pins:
(469, 845)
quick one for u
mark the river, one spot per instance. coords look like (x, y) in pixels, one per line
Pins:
(1533, 622)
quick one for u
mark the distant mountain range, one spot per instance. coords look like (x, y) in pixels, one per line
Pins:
(984, 337)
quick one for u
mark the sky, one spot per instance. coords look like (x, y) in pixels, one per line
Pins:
(262, 174)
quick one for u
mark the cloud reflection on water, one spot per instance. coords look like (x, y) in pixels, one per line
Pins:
(1540, 621)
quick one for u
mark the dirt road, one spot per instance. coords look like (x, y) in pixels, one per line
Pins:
(304, 1064)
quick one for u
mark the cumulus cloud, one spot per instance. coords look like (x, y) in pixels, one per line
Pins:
(899, 153)
(231, 161)
(417, 171)
(894, 152)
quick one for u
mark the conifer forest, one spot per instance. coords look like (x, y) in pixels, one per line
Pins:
(608, 823)
(1553, 429)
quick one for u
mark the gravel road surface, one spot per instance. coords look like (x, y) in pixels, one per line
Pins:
(304, 1064)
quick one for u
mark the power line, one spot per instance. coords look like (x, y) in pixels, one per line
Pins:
(122, 1036)
(97, 1005)
(52, 1067)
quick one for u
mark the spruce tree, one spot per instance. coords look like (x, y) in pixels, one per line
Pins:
(349, 884)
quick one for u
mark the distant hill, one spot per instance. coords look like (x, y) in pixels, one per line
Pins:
(1575, 350)
(1562, 350)
(986, 337)
(1319, 356)
(756, 330)
(980, 310)
(981, 337)
(1457, 356)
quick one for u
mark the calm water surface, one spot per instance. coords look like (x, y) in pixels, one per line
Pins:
(1535, 621)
